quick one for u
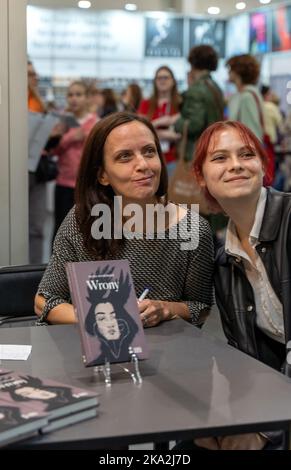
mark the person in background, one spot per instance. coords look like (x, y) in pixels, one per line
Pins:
(131, 98)
(203, 101)
(37, 190)
(203, 104)
(272, 113)
(246, 105)
(287, 132)
(106, 102)
(93, 99)
(70, 149)
(274, 129)
(253, 269)
(35, 102)
(122, 157)
(164, 102)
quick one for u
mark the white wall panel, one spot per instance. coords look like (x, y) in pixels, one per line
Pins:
(13, 134)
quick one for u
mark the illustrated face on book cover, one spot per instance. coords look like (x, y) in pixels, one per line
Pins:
(31, 388)
(108, 319)
(35, 393)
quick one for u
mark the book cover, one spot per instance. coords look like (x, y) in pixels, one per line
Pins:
(18, 421)
(105, 302)
(44, 395)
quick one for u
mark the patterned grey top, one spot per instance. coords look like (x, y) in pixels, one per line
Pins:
(173, 274)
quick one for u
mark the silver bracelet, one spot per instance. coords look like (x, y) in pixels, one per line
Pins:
(49, 305)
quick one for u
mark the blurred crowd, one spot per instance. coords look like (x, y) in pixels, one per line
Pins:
(174, 114)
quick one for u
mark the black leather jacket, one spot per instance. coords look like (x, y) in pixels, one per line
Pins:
(234, 294)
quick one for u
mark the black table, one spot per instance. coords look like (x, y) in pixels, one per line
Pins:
(193, 386)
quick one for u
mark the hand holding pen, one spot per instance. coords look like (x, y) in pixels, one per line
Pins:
(140, 299)
(152, 312)
(144, 294)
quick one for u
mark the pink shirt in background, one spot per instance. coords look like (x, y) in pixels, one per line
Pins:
(70, 151)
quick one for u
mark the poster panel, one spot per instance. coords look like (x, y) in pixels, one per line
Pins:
(164, 37)
(209, 32)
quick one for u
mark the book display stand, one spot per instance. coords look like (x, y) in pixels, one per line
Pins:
(133, 371)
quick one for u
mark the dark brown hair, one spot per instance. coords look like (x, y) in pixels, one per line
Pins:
(175, 97)
(246, 67)
(90, 192)
(136, 96)
(109, 98)
(202, 147)
(203, 58)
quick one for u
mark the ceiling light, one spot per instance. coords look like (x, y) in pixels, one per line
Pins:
(130, 6)
(84, 4)
(240, 6)
(213, 10)
(265, 1)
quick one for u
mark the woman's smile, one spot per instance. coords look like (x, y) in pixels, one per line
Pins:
(132, 166)
(144, 180)
(236, 179)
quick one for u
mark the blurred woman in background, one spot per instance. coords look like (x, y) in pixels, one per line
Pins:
(37, 189)
(131, 98)
(165, 101)
(106, 102)
(70, 148)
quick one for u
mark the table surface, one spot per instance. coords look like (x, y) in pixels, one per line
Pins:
(194, 385)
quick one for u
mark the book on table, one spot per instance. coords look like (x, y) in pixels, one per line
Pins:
(70, 419)
(64, 404)
(106, 306)
(19, 421)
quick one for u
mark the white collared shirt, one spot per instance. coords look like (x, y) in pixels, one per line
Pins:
(269, 309)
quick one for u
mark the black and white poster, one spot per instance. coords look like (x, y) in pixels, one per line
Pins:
(211, 32)
(164, 37)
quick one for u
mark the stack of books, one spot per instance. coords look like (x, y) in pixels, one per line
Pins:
(29, 405)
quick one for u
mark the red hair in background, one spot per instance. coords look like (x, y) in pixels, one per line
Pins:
(248, 137)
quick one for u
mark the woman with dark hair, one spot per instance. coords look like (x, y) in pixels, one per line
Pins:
(202, 102)
(253, 268)
(165, 101)
(122, 167)
(107, 102)
(131, 98)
